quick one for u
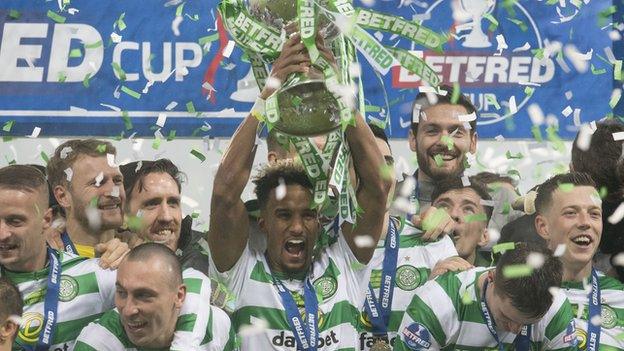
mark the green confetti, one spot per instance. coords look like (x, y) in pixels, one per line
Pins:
(195, 214)
(517, 271)
(523, 27)
(514, 172)
(86, 79)
(456, 92)
(296, 101)
(120, 72)
(615, 98)
(179, 9)
(555, 139)
(10, 162)
(101, 148)
(493, 22)
(370, 108)
(75, 53)
(194, 18)
(386, 171)
(503, 247)
(62, 77)
(506, 208)
(537, 133)
(466, 298)
(438, 160)
(119, 137)
(434, 219)
(8, 125)
(156, 143)
(190, 107)
(566, 187)
(172, 135)
(511, 156)
(603, 192)
(208, 39)
(120, 22)
(130, 92)
(617, 70)
(45, 157)
(448, 141)
(529, 91)
(198, 154)
(126, 118)
(477, 217)
(134, 223)
(492, 100)
(95, 45)
(56, 17)
(14, 14)
(596, 71)
(538, 53)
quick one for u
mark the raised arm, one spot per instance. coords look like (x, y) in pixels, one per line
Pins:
(372, 192)
(229, 224)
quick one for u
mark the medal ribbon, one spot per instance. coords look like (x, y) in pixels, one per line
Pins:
(522, 341)
(50, 304)
(593, 331)
(306, 334)
(378, 310)
(68, 245)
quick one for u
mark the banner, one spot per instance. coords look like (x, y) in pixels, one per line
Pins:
(167, 68)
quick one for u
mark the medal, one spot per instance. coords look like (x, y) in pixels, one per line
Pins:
(380, 345)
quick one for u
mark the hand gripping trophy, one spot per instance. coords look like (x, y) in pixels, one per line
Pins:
(323, 100)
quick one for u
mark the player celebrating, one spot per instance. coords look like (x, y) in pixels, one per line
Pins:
(275, 286)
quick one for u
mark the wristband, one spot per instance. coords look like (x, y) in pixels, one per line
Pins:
(258, 109)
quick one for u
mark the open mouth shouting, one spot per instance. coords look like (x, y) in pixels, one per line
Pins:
(295, 249)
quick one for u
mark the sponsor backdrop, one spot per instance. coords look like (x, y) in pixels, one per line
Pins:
(164, 68)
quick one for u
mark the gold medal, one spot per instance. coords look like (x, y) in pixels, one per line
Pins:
(380, 345)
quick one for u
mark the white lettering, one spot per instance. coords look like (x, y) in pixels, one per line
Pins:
(148, 70)
(181, 64)
(62, 38)
(117, 52)
(12, 50)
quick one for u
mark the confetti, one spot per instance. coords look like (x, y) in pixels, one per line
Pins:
(503, 247)
(14, 14)
(198, 154)
(99, 178)
(567, 111)
(227, 51)
(35, 133)
(130, 92)
(162, 118)
(69, 174)
(568, 95)
(65, 152)
(517, 271)
(467, 118)
(617, 215)
(560, 250)
(8, 125)
(465, 181)
(190, 107)
(615, 97)
(535, 260)
(618, 136)
(171, 106)
(618, 260)
(115, 191)
(175, 25)
(110, 159)
(477, 217)
(536, 114)
(56, 17)
(438, 160)
(364, 241)
(434, 219)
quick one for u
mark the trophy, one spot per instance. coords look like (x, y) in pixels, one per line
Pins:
(306, 106)
(477, 9)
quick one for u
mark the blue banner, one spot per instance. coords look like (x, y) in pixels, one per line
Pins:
(104, 68)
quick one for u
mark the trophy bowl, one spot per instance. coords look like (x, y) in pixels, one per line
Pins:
(306, 107)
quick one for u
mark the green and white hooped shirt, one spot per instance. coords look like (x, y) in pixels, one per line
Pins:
(260, 317)
(445, 314)
(416, 259)
(612, 311)
(200, 326)
(86, 292)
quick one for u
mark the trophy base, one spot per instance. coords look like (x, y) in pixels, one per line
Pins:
(307, 109)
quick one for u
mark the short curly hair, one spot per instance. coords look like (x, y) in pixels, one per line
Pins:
(286, 171)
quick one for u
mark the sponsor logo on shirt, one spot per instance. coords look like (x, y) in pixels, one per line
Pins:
(367, 340)
(68, 289)
(416, 336)
(570, 335)
(326, 286)
(329, 339)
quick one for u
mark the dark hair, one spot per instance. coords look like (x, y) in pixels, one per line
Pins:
(379, 133)
(489, 178)
(23, 178)
(421, 103)
(529, 294)
(133, 177)
(286, 171)
(12, 304)
(68, 152)
(455, 183)
(545, 190)
(603, 160)
(146, 251)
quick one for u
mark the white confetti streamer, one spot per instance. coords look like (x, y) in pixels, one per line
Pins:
(69, 174)
(99, 178)
(162, 119)
(618, 136)
(567, 111)
(175, 25)
(560, 250)
(617, 215)
(229, 48)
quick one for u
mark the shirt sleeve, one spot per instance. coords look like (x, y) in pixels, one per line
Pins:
(194, 316)
(106, 279)
(224, 338)
(558, 325)
(96, 337)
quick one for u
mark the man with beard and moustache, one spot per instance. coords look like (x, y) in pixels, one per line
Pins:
(274, 286)
(441, 141)
(89, 187)
(569, 217)
(401, 263)
(153, 198)
(154, 300)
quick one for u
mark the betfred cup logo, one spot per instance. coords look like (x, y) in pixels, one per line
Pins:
(477, 9)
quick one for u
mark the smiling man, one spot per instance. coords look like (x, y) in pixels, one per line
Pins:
(155, 300)
(569, 217)
(89, 187)
(274, 287)
(492, 309)
(441, 139)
